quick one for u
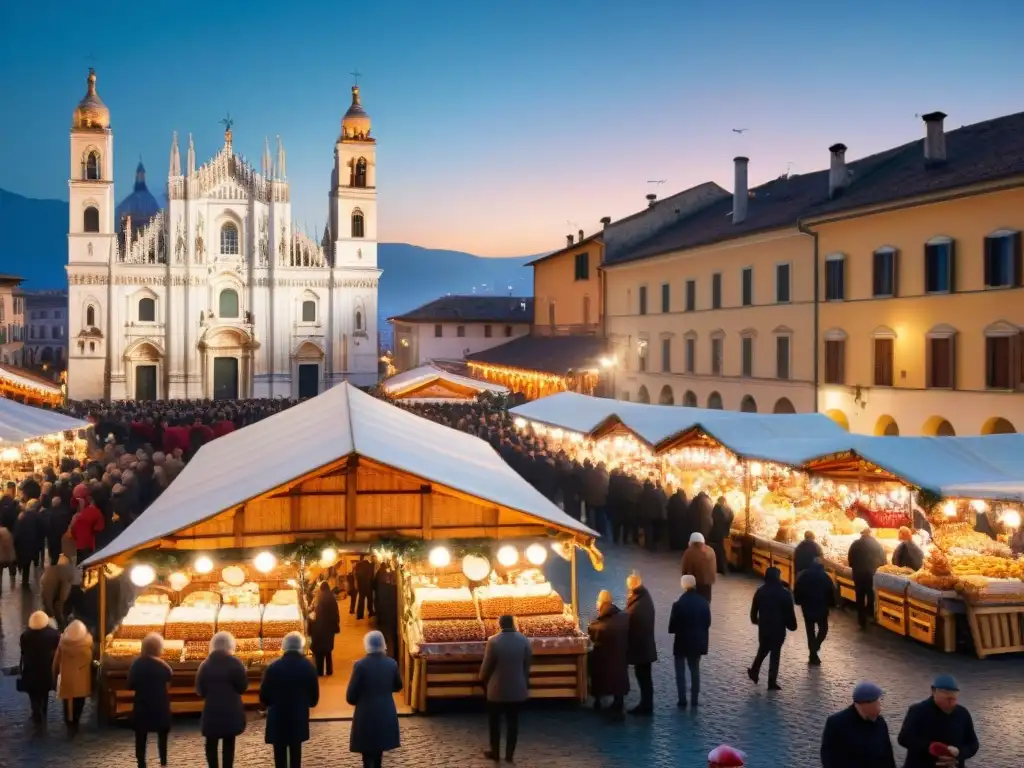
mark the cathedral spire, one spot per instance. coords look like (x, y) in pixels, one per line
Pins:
(267, 168)
(191, 156)
(175, 168)
(282, 168)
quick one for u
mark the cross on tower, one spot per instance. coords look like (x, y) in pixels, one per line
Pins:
(227, 122)
(356, 75)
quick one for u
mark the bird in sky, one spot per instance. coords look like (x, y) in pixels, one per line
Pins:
(740, 130)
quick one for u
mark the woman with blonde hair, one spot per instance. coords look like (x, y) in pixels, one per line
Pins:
(38, 646)
(149, 677)
(72, 666)
(220, 682)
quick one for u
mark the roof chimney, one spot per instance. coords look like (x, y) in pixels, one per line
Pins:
(606, 221)
(581, 236)
(837, 174)
(568, 240)
(934, 139)
(651, 198)
(739, 191)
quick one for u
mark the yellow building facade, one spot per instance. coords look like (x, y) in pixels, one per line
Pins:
(567, 288)
(923, 337)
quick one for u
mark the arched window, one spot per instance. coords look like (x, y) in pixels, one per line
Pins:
(359, 177)
(359, 320)
(90, 317)
(229, 240)
(147, 310)
(309, 311)
(357, 223)
(91, 219)
(228, 303)
(92, 166)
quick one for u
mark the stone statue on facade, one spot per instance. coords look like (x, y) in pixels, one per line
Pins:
(200, 245)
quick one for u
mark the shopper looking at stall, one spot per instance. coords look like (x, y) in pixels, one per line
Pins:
(289, 690)
(805, 553)
(220, 682)
(371, 690)
(907, 554)
(149, 677)
(865, 557)
(326, 624)
(505, 674)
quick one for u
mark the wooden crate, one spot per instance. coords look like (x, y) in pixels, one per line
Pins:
(932, 625)
(891, 611)
(761, 560)
(117, 700)
(846, 590)
(734, 549)
(785, 565)
(996, 629)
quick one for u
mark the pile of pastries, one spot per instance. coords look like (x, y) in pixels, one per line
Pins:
(143, 618)
(436, 603)
(191, 622)
(280, 618)
(240, 620)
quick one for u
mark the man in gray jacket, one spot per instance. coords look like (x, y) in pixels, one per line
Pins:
(505, 674)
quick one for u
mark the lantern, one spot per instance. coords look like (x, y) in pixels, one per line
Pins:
(508, 556)
(476, 567)
(142, 575)
(439, 557)
(265, 562)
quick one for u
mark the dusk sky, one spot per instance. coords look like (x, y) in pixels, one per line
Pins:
(498, 123)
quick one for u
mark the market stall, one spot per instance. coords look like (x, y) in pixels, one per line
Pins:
(267, 505)
(18, 384)
(34, 438)
(429, 384)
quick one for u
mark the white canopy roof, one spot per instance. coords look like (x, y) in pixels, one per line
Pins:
(990, 467)
(19, 422)
(252, 461)
(13, 375)
(427, 373)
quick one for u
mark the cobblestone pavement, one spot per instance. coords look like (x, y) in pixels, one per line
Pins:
(776, 730)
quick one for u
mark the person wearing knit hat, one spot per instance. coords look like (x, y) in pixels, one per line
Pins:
(38, 645)
(690, 624)
(773, 613)
(858, 735)
(938, 731)
(609, 670)
(699, 561)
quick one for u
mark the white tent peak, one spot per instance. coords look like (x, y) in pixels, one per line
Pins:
(424, 374)
(19, 422)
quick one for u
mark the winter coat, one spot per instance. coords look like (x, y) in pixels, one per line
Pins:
(595, 486)
(698, 516)
(72, 666)
(651, 506)
(772, 610)
(609, 666)
(55, 585)
(290, 689)
(699, 561)
(220, 682)
(56, 521)
(690, 624)
(326, 624)
(850, 741)
(640, 608)
(374, 680)
(9, 509)
(865, 557)
(814, 592)
(505, 671)
(804, 554)
(721, 522)
(908, 555)
(678, 536)
(28, 536)
(7, 553)
(363, 571)
(85, 525)
(150, 678)
(926, 723)
(38, 647)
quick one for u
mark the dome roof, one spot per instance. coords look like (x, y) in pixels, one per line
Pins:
(355, 123)
(140, 204)
(91, 112)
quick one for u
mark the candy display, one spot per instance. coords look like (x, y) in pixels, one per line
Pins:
(240, 620)
(452, 631)
(280, 619)
(547, 626)
(445, 603)
(142, 619)
(191, 622)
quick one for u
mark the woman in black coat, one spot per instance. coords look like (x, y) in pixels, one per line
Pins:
(150, 677)
(371, 690)
(290, 689)
(609, 668)
(220, 682)
(38, 645)
(325, 626)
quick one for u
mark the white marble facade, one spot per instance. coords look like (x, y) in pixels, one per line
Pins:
(219, 295)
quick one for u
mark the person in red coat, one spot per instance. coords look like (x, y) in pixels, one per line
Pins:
(87, 522)
(223, 426)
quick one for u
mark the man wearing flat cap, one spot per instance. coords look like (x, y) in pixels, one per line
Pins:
(938, 732)
(858, 736)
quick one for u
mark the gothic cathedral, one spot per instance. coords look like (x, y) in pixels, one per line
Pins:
(217, 294)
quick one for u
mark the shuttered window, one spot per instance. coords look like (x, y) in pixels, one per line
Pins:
(1003, 260)
(834, 358)
(884, 349)
(999, 352)
(940, 365)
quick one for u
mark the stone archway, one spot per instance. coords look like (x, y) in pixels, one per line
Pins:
(144, 371)
(642, 396)
(307, 370)
(784, 405)
(839, 418)
(226, 353)
(886, 426)
(690, 399)
(997, 425)
(666, 397)
(938, 426)
(715, 401)
(748, 404)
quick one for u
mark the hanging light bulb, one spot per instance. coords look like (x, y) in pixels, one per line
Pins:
(265, 562)
(178, 580)
(978, 505)
(328, 557)
(439, 557)
(508, 556)
(476, 567)
(142, 575)
(1011, 519)
(203, 564)
(536, 554)
(949, 509)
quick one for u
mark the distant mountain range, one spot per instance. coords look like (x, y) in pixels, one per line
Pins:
(33, 244)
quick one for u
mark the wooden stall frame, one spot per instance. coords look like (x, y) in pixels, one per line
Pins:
(996, 629)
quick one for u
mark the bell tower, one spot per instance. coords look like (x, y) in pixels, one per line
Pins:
(354, 190)
(92, 243)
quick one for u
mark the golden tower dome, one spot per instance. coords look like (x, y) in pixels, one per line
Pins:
(91, 112)
(356, 123)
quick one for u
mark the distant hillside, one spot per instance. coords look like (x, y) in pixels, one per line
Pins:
(33, 243)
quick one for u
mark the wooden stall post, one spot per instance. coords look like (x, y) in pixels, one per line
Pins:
(351, 497)
(103, 610)
(575, 588)
(746, 497)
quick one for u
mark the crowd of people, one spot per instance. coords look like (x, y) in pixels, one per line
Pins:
(53, 521)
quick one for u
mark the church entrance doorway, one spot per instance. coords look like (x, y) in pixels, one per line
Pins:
(225, 378)
(145, 382)
(309, 380)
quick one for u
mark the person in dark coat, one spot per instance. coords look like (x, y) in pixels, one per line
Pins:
(38, 645)
(609, 665)
(641, 651)
(220, 682)
(698, 519)
(773, 613)
(56, 520)
(505, 674)
(939, 721)
(351, 589)
(858, 736)
(385, 605)
(690, 625)
(325, 626)
(570, 486)
(595, 495)
(28, 539)
(289, 690)
(805, 553)
(371, 690)
(364, 587)
(865, 557)
(632, 488)
(617, 503)
(653, 512)
(675, 514)
(149, 677)
(721, 521)
(907, 554)
(815, 593)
